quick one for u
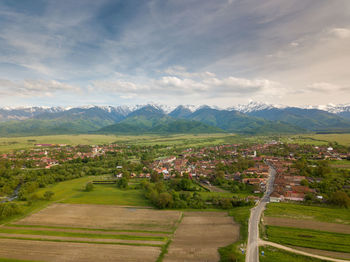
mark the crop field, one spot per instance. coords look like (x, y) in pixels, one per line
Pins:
(87, 232)
(199, 236)
(298, 211)
(309, 238)
(307, 224)
(72, 232)
(12, 143)
(65, 251)
(103, 217)
(272, 254)
(318, 139)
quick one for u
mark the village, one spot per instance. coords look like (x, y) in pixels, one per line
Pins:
(222, 165)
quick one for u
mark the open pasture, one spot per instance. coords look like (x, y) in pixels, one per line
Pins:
(312, 213)
(309, 238)
(307, 224)
(13, 143)
(199, 236)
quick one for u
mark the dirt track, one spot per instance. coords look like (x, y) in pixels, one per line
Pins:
(77, 252)
(307, 253)
(200, 235)
(307, 224)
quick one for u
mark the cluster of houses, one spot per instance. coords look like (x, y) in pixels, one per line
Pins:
(49, 155)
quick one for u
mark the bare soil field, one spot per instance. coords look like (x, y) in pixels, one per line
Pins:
(103, 217)
(325, 253)
(199, 236)
(308, 224)
(66, 252)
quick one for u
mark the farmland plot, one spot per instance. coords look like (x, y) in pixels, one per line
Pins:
(199, 236)
(104, 217)
(70, 232)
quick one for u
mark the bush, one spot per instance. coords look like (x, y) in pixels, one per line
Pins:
(9, 209)
(48, 195)
(122, 183)
(341, 199)
(89, 187)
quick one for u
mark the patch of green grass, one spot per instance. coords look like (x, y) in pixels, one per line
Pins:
(109, 195)
(12, 143)
(16, 260)
(84, 242)
(26, 209)
(309, 238)
(232, 252)
(90, 229)
(66, 189)
(299, 211)
(76, 234)
(272, 254)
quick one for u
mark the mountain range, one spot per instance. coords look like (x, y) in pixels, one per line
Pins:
(253, 118)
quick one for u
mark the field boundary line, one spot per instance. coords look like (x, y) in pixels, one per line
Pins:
(82, 242)
(267, 243)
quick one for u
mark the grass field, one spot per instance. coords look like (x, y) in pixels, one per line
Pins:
(73, 192)
(309, 238)
(323, 214)
(109, 195)
(318, 139)
(12, 143)
(272, 254)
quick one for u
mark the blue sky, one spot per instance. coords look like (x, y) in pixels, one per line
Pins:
(221, 52)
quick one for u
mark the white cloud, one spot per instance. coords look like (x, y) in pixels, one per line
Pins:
(342, 33)
(38, 88)
(174, 86)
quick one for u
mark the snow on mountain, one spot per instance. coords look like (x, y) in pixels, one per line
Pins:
(254, 106)
(332, 108)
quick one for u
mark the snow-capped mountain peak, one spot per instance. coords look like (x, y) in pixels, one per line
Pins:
(253, 106)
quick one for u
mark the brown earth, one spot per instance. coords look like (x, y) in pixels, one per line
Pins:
(77, 252)
(324, 252)
(199, 236)
(307, 224)
(72, 230)
(104, 217)
(82, 239)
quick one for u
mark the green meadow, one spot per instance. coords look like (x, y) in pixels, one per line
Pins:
(299, 211)
(309, 238)
(272, 254)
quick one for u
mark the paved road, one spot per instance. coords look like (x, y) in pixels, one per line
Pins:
(255, 214)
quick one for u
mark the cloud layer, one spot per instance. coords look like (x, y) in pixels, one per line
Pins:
(200, 51)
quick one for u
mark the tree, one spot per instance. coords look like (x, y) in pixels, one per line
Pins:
(154, 177)
(165, 200)
(48, 195)
(89, 187)
(341, 199)
(122, 183)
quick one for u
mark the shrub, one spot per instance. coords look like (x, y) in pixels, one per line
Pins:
(48, 195)
(89, 187)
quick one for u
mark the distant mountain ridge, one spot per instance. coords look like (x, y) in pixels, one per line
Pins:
(252, 118)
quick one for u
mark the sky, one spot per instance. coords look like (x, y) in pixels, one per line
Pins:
(221, 53)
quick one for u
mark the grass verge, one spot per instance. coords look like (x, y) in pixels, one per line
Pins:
(272, 254)
(232, 252)
(83, 235)
(309, 238)
(299, 211)
(84, 242)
